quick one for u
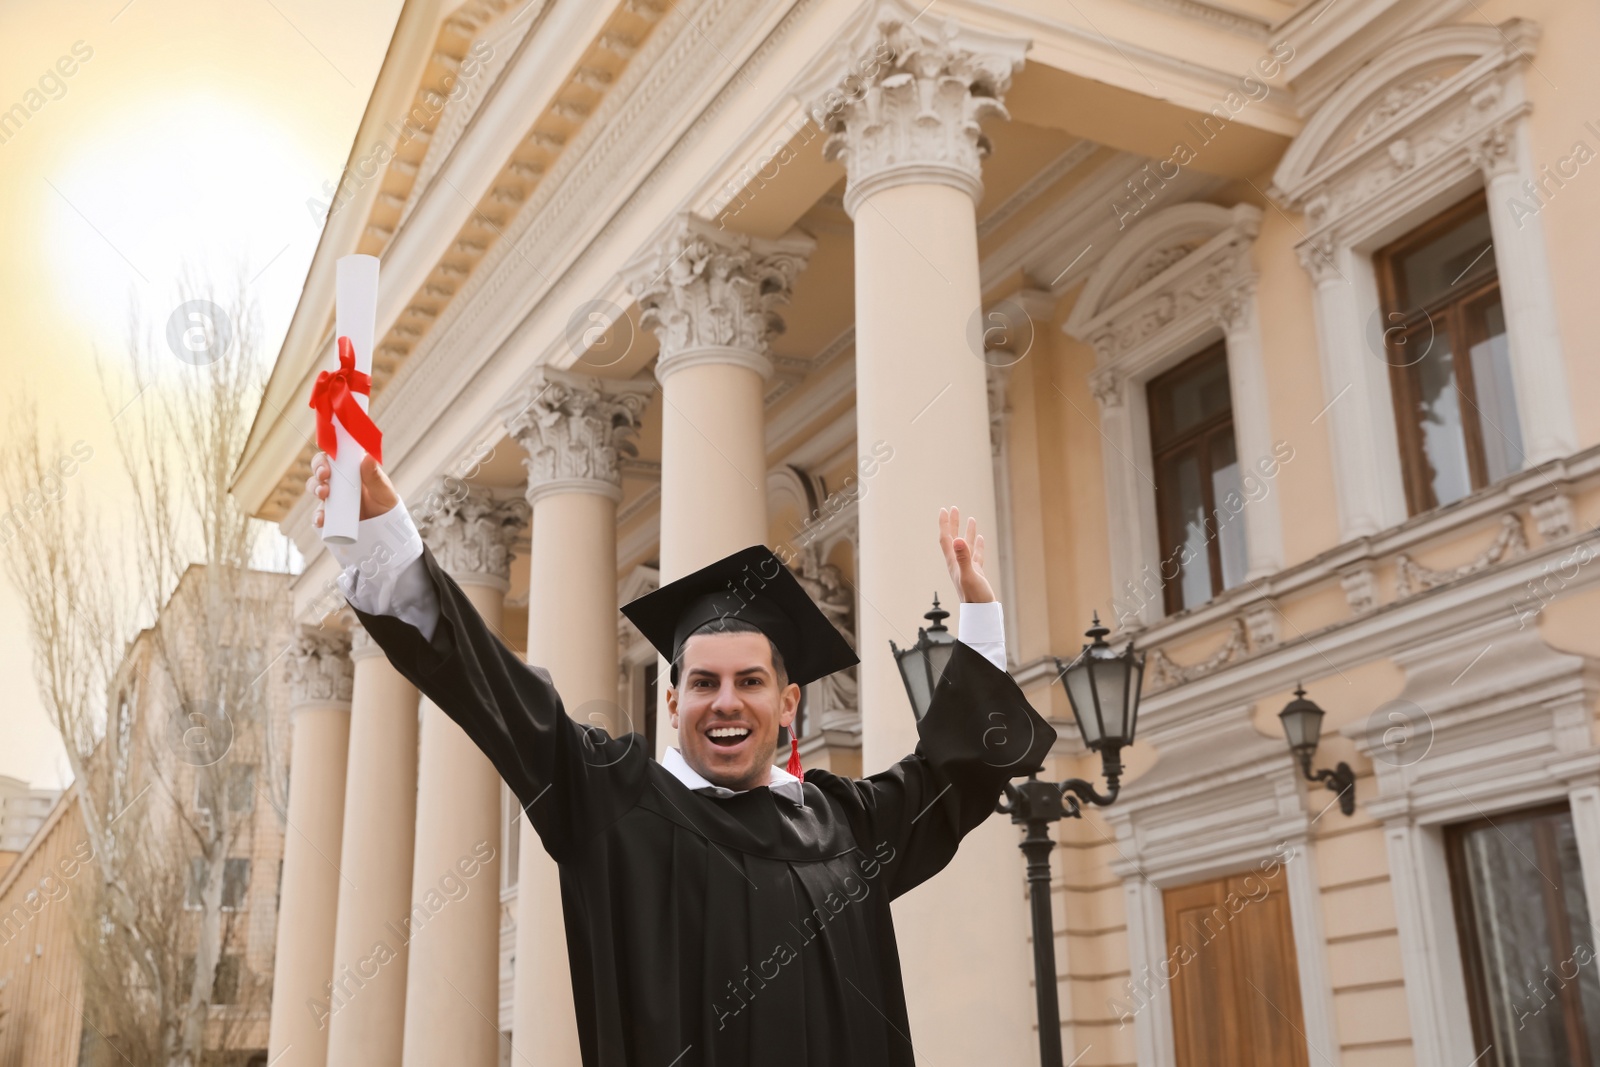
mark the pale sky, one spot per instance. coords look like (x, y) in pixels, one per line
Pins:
(186, 132)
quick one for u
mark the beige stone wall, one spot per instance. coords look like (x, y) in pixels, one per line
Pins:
(40, 993)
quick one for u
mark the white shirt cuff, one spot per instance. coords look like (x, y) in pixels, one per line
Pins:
(983, 628)
(383, 572)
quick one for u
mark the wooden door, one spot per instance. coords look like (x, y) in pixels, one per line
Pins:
(1234, 983)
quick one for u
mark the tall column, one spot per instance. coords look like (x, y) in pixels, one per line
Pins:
(1360, 429)
(574, 429)
(904, 117)
(711, 296)
(365, 1008)
(1247, 378)
(308, 903)
(453, 986)
(1538, 369)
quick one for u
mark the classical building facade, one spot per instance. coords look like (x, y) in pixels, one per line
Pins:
(1255, 327)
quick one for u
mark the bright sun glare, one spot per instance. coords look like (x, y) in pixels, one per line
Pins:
(130, 211)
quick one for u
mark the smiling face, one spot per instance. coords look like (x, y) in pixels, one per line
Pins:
(728, 706)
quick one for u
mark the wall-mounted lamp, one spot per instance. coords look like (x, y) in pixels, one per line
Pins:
(1302, 725)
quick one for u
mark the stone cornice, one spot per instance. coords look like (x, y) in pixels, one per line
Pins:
(1379, 630)
(606, 154)
(445, 270)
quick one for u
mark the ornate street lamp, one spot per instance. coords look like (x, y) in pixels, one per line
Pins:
(1103, 686)
(923, 664)
(1302, 726)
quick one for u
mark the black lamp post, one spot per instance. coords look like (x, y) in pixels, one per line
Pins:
(1302, 726)
(1103, 686)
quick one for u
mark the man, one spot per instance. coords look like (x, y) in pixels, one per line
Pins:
(718, 910)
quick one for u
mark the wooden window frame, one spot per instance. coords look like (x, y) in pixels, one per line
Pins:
(1471, 951)
(1456, 319)
(1199, 437)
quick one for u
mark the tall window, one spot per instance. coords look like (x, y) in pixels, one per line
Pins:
(1449, 363)
(1526, 941)
(1198, 491)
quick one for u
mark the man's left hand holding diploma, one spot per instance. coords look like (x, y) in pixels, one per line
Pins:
(382, 573)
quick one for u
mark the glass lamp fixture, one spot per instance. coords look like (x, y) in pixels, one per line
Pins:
(1302, 728)
(923, 664)
(1103, 686)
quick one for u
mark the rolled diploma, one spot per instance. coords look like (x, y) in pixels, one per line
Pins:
(355, 317)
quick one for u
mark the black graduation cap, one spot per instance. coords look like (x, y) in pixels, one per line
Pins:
(753, 585)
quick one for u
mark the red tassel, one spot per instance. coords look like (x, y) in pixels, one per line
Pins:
(794, 755)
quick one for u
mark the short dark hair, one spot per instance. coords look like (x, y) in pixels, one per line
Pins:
(730, 625)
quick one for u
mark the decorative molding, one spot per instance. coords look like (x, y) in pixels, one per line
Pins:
(1176, 282)
(503, 37)
(1554, 517)
(1496, 719)
(1360, 585)
(1575, 475)
(1182, 262)
(318, 667)
(576, 431)
(1220, 800)
(710, 293)
(471, 533)
(602, 156)
(1162, 673)
(1219, 17)
(1438, 91)
(901, 99)
(1262, 622)
(1435, 114)
(1412, 577)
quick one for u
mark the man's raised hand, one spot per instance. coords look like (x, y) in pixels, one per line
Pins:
(964, 556)
(378, 494)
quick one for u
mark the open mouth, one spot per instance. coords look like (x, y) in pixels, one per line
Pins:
(728, 736)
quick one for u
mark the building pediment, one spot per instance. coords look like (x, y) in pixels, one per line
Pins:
(1173, 265)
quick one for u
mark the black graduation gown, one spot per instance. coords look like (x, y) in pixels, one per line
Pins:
(705, 931)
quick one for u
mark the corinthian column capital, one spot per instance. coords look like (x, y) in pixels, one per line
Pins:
(906, 104)
(710, 295)
(471, 533)
(319, 667)
(576, 429)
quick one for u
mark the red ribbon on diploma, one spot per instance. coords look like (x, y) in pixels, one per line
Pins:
(334, 394)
